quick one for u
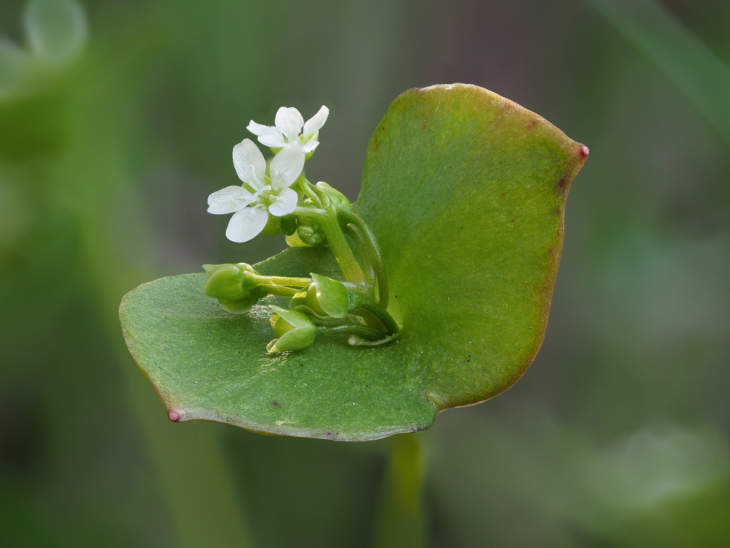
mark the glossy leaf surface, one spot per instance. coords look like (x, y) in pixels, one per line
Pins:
(465, 192)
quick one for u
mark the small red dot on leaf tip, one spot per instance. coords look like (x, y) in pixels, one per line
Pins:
(174, 416)
(584, 151)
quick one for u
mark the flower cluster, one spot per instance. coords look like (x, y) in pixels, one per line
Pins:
(275, 195)
(266, 186)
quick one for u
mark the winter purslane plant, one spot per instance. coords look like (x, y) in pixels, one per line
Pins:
(429, 291)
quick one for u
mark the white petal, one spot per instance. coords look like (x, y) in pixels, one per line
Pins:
(310, 145)
(286, 166)
(260, 129)
(228, 200)
(316, 122)
(273, 140)
(267, 135)
(289, 121)
(246, 224)
(285, 203)
(249, 163)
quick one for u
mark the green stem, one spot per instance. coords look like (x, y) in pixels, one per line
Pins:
(285, 280)
(362, 331)
(351, 269)
(399, 520)
(372, 278)
(310, 191)
(328, 321)
(375, 257)
(356, 340)
(381, 314)
(280, 290)
(346, 260)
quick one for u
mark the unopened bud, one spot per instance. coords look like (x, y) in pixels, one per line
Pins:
(324, 296)
(294, 330)
(234, 285)
(338, 201)
(311, 235)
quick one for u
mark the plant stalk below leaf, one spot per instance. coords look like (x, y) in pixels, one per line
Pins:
(399, 521)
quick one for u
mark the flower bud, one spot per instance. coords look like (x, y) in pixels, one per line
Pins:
(234, 285)
(293, 329)
(338, 201)
(324, 296)
(311, 234)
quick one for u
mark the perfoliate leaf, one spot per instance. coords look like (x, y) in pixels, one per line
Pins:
(465, 192)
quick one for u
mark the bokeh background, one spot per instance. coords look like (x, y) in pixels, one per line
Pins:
(117, 121)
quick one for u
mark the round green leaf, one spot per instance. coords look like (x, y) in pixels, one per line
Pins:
(465, 191)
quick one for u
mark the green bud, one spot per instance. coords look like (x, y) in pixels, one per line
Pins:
(293, 329)
(338, 201)
(324, 296)
(311, 235)
(234, 285)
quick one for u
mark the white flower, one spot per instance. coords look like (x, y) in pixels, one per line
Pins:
(262, 194)
(291, 131)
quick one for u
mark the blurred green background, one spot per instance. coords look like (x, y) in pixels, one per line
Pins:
(118, 122)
